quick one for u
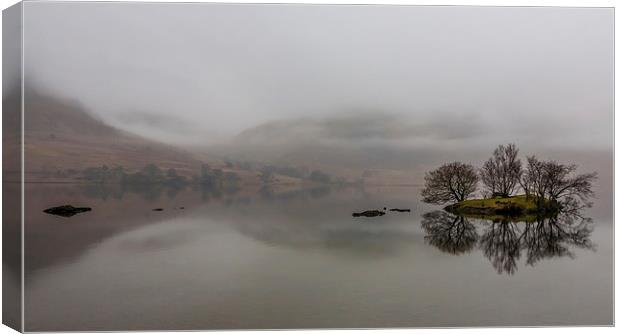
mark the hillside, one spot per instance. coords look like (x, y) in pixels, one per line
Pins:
(61, 134)
(331, 146)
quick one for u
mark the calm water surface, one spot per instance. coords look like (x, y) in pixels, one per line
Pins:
(297, 259)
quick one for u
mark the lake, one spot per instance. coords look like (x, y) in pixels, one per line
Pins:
(261, 259)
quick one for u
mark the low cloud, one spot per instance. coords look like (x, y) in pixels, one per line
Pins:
(162, 122)
(366, 128)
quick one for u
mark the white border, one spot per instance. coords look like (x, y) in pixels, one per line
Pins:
(568, 3)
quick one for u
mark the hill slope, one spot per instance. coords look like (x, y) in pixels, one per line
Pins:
(61, 134)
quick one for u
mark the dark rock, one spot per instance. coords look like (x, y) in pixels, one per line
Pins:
(401, 210)
(369, 213)
(65, 210)
(158, 209)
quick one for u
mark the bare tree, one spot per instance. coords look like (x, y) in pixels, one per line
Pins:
(533, 179)
(554, 181)
(561, 183)
(452, 182)
(502, 172)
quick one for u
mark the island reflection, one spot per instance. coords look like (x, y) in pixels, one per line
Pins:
(503, 241)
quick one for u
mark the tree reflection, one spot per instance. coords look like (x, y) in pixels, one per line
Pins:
(500, 243)
(450, 233)
(555, 237)
(503, 242)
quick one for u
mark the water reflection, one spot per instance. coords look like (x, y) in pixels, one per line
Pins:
(503, 242)
(269, 194)
(276, 218)
(298, 252)
(450, 233)
(500, 243)
(300, 219)
(148, 191)
(556, 237)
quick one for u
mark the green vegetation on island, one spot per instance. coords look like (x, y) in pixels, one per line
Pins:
(519, 207)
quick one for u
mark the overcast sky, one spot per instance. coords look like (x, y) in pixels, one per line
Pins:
(199, 73)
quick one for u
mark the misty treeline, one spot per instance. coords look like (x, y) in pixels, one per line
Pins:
(207, 177)
(267, 174)
(152, 174)
(504, 175)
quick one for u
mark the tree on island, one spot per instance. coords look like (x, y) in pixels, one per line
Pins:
(550, 187)
(553, 181)
(452, 182)
(502, 172)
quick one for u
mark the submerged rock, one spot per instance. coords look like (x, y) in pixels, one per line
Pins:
(66, 210)
(158, 209)
(368, 213)
(401, 210)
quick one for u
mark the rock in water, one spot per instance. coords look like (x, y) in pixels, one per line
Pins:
(65, 210)
(369, 213)
(158, 209)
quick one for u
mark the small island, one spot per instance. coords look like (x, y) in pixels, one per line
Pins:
(547, 187)
(521, 207)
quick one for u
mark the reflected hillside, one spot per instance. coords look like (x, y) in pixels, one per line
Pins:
(298, 219)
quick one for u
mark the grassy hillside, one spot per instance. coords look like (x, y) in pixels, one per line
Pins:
(61, 134)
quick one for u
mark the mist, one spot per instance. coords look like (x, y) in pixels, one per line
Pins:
(387, 86)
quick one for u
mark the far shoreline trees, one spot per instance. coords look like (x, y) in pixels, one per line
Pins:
(207, 177)
(268, 173)
(151, 175)
(503, 176)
